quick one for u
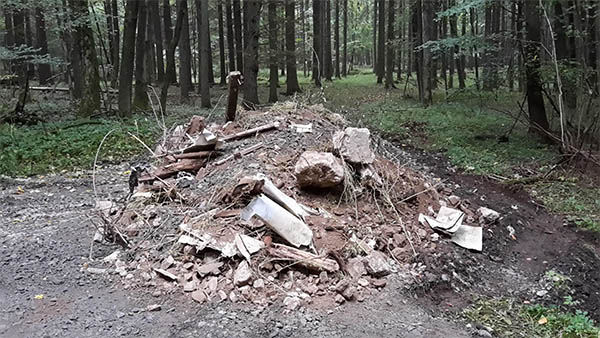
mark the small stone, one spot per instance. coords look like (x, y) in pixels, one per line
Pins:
(112, 258)
(291, 302)
(189, 286)
(199, 296)
(222, 295)
(342, 285)
(259, 283)
(483, 333)
(541, 293)
(379, 283)
(349, 293)
(167, 262)
(233, 297)
(487, 215)
(318, 170)
(120, 314)
(157, 293)
(363, 282)
(243, 274)
(376, 264)
(309, 288)
(212, 284)
(188, 265)
(146, 276)
(356, 267)
(153, 307)
(454, 200)
(323, 278)
(339, 299)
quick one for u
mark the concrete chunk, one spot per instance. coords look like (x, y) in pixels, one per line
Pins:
(377, 265)
(354, 145)
(243, 274)
(318, 170)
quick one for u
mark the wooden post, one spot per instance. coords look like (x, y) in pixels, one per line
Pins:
(235, 80)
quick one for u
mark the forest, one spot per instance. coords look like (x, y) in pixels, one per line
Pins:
(495, 101)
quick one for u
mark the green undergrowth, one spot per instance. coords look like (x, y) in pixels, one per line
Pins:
(508, 318)
(67, 145)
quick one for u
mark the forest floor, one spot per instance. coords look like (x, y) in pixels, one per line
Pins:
(543, 282)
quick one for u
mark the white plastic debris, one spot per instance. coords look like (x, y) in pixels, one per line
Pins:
(488, 215)
(469, 237)
(449, 221)
(247, 245)
(282, 199)
(302, 128)
(291, 228)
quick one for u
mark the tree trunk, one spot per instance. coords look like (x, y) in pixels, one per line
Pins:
(381, 42)
(239, 47)
(317, 59)
(390, 55)
(535, 100)
(86, 49)
(172, 45)
(230, 34)
(185, 55)
(290, 44)
(126, 74)
(222, 69)
(337, 38)
(251, 52)
(375, 6)
(170, 72)
(273, 73)
(157, 37)
(204, 33)
(9, 39)
(44, 71)
(417, 40)
(345, 58)
(427, 19)
(140, 98)
(327, 65)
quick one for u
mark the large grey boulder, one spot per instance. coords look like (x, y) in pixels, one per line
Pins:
(354, 145)
(318, 170)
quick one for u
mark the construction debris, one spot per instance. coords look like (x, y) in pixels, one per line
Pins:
(354, 145)
(191, 225)
(318, 170)
(487, 215)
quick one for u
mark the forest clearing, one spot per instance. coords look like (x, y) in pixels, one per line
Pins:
(296, 168)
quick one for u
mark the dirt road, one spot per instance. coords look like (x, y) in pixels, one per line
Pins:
(45, 241)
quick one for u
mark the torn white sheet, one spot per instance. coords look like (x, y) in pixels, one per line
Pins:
(302, 128)
(280, 220)
(204, 141)
(469, 237)
(282, 199)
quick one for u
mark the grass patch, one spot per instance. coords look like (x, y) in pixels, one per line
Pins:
(510, 319)
(68, 145)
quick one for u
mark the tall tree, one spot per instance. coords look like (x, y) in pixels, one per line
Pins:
(327, 57)
(140, 98)
(85, 49)
(170, 72)
(222, 71)
(126, 74)
(273, 73)
(172, 45)
(345, 58)
(230, 34)
(317, 54)
(158, 41)
(44, 71)
(290, 44)
(535, 99)
(380, 68)
(237, 23)
(428, 76)
(251, 20)
(205, 55)
(390, 55)
(337, 38)
(185, 54)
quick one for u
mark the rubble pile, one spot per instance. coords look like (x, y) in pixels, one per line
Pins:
(282, 205)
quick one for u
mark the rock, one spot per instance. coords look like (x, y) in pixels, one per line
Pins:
(167, 263)
(342, 285)
(349, 293)
(487, 215)
(259, 283)
(199, 296)
(210, 268)
(243, 274)
(363, 282)
(291, 302)
(309, 288)
(483, 333)
(112, 258)
(212, 284)
(189, 286)
(454, 200)
(154, 307)
(356, 267)
(377, 265)
(233, 297)
(354, 145)
(339, 299)
(318, 170)
(96, 271)
(379, 283)
(369, 176)
(323, 278)
(222, 295)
